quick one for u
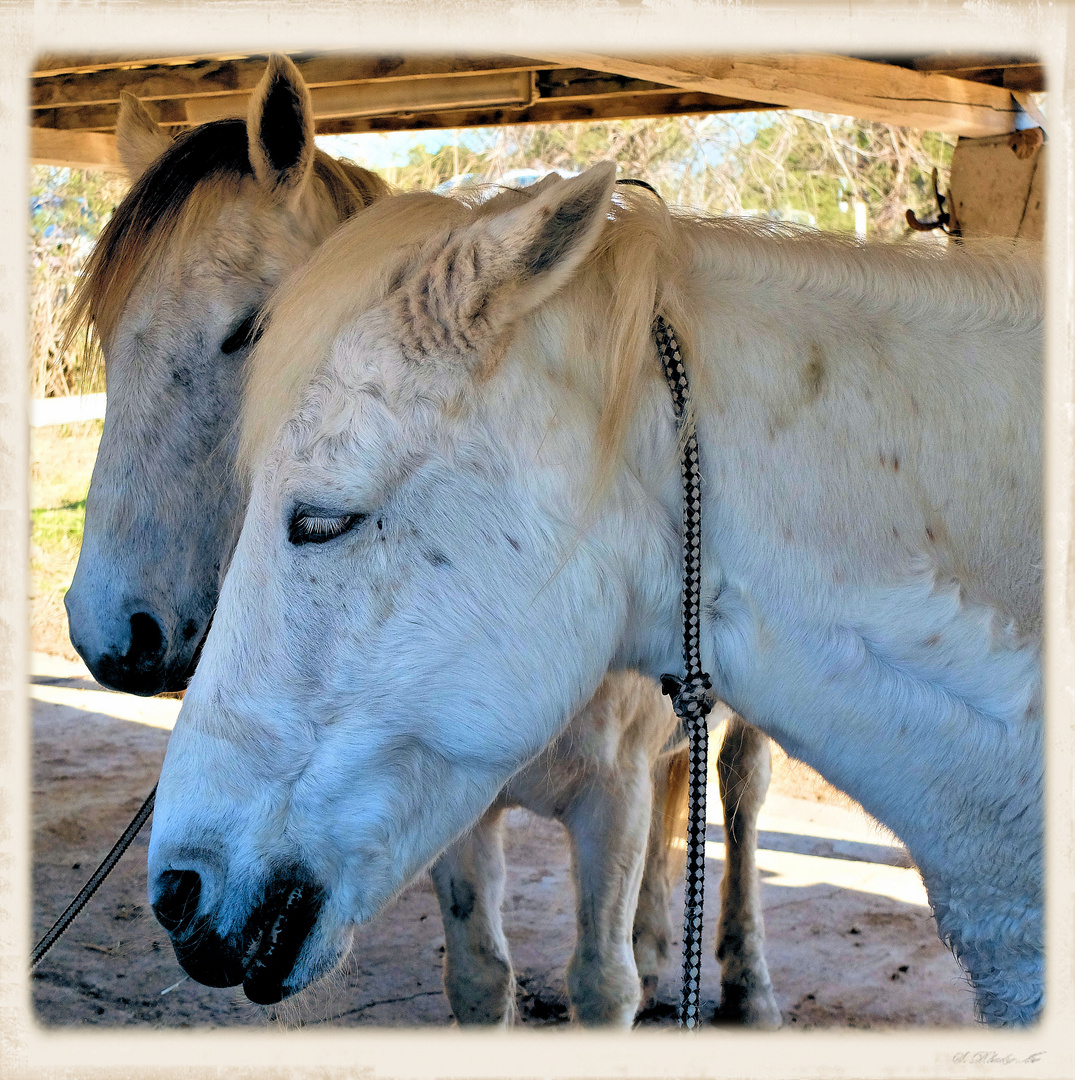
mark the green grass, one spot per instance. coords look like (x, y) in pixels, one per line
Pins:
(58, 529)
(61, 463)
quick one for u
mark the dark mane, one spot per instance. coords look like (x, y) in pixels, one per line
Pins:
(143, 222)
(148, 214)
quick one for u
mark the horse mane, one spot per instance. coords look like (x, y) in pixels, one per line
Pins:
(200, 165)
(649, 259)
(351, 271)
(349, 187)
(971, 284)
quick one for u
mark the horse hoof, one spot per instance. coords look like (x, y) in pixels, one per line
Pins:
(649, 992)
(744, 1008)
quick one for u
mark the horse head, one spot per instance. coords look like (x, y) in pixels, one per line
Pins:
(214, 220)
(433, 587)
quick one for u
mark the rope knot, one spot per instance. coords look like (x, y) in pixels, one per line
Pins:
(690, 696)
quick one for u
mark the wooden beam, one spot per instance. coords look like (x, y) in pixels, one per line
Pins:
(170, 111)
(74, 149)
(835, 84)
(969, 61)
(388, 96)
(1013, 73)
(548, 111)
(56, 64)
(998, 186)
(580, 83)
(215, 77)
(1028, 79)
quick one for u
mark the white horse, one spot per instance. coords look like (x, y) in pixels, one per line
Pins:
(465, 510)
(213, 223)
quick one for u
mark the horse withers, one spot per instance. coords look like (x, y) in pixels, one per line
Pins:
(869, 424)
(214, 221)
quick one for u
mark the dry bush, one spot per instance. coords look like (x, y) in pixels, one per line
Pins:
(68, 208)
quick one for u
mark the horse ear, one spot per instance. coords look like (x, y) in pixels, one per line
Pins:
(139, 139)
(503, 265)
(546, 239)
(280, 129)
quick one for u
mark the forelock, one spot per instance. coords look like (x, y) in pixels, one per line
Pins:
(210, 155)
(352, 272)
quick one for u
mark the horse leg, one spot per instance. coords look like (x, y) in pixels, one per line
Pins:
(665, 856)
(469, 881)
(607, 823)
(743, 769)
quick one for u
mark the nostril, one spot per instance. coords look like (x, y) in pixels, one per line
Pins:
(147, 638)
(177, 903)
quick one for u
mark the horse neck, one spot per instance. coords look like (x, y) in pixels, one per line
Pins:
(641, 493)
(650, 492)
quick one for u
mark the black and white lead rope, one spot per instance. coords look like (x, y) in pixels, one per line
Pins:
(690, 698)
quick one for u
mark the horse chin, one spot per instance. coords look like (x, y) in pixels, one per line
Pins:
(305, 971)
(117, 674)
(276, 933)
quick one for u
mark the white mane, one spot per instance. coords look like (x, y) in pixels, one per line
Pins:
(647, 260)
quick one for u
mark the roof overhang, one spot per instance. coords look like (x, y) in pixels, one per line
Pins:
(75, 100)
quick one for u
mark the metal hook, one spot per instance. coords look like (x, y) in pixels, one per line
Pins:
(943, 219)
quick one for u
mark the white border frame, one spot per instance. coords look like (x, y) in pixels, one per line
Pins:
(54, 26)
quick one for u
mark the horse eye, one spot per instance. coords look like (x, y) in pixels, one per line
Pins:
(310, 526)
(246, 333)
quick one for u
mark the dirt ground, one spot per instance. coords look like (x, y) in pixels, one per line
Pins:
(850, 939)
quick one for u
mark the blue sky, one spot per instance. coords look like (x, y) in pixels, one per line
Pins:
(383, 150)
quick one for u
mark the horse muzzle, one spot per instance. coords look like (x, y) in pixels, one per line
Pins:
(131, 643)
(263, 955)
(135, 655)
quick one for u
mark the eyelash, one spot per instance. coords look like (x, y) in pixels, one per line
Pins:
(246, 333)
(307, 527)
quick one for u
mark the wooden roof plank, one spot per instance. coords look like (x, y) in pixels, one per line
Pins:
(825, 83)
(388, 96)
(170, 111)
(580, 83)
(549, 111)
(218, 77)
(59, 64)
(74, 149)
(970, 61)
